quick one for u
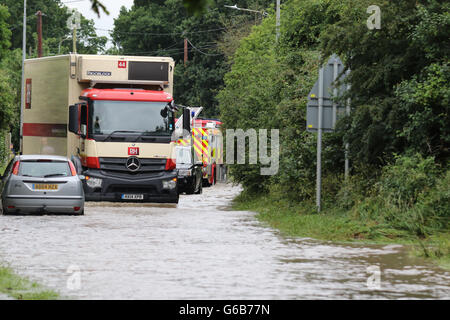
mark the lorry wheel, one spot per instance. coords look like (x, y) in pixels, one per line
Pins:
(190, 190)
(205, 183)
(200, 189)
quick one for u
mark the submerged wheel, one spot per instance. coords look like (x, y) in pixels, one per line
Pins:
(205, 183)
(200, 189)
(190, 190)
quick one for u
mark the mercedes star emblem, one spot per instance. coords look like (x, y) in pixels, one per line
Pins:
(133, 164)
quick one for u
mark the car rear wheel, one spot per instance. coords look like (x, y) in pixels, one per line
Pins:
(5, 212)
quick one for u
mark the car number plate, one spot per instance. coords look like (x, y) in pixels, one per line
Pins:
(45, 186)
(133, 196)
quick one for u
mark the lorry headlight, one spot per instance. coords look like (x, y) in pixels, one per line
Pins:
(185, 173)
(170, 184)
(93, 182)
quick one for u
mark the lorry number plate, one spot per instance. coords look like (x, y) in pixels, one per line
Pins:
(133, 196)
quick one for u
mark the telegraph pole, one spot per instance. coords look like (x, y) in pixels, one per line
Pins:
(22, 95)
(39, 32)
(74, 37)
(73, 23)
(278, 20)
(185, 51)
(347, 112)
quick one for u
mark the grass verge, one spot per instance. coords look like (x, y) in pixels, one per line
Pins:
(21, 288)
(301, 220)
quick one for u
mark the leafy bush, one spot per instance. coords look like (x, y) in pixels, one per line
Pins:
(410, 195)
(403, 182)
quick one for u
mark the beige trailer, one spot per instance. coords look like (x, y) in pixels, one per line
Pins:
(112, 115)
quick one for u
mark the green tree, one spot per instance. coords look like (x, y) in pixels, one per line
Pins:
(158, 28)
(400, 100)
(54, 28)
(397, 81)
(5, 34)
(7, 94)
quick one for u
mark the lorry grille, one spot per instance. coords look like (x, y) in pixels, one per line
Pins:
(119, 165)
(130, 189)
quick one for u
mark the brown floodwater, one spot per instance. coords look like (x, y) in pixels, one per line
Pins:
(199, 249)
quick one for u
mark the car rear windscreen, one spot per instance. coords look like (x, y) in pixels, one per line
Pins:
(46, 168)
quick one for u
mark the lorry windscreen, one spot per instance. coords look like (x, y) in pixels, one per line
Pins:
(130, 116)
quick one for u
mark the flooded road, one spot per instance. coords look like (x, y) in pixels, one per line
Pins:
(201, 250)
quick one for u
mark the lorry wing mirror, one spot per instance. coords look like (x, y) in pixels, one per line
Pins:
(74, 124)
(186, 120)
(172, 105)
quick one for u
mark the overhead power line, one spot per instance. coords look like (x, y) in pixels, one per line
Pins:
(172, 51)
(72, 1)
(162, 34)
(206, 54)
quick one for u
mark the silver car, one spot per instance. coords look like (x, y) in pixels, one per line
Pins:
(41, 184)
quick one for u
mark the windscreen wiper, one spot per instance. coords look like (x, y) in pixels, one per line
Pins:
(145, 133)
(55, 175)
(123, 131)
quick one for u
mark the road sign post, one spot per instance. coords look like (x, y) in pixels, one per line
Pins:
(319, 142)
(323, 111)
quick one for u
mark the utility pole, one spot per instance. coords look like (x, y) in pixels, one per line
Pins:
(39, 32)
(74, 37)
(347, 112)
(278, 20)
(74, 23)
(22, 95)
(185, 51)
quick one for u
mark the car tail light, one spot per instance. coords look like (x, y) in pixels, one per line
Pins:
(15, 169)
(72, 169)
(11, 207)
(76, 208)
(170, 164)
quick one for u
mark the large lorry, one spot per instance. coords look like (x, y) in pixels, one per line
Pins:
(112, 115)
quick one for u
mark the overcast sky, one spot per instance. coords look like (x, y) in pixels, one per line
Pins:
(105, 21)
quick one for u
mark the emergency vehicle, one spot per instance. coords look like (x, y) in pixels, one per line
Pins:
(207, 142)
